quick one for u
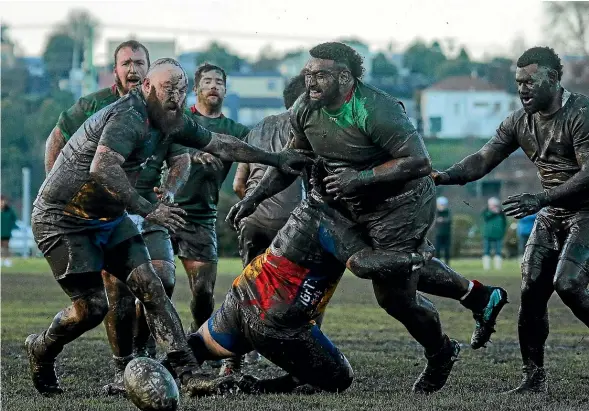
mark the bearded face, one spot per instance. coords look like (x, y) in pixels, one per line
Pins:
(166, 100)
(536, 88)
(321, 83)
(130, 68)
(211, 90)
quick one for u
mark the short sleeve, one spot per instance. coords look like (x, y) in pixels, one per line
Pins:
(175, 150)
(389, 126)
(505, 139)
(580, 131)
(72, 119)
(123, 131)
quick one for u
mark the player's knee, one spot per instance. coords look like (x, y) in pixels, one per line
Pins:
(96, 307)
(340, 381)
(361, 265)
(147, 286)
(567, 283)
(166, 271)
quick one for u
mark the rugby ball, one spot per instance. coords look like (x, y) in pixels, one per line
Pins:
(150, 386)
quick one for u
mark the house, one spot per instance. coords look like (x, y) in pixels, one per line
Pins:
(464, 106)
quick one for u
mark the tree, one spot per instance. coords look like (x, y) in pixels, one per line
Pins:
(568, 25)
(80, 25)
(217, 54)
(382, 67)
(460, 66)
(58, 57)
(500, 72)
(419, 58)
(268, 60)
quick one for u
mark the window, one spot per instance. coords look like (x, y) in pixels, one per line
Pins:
(481, 104)
(435, 124)
(456, 108)
(272, 85)
(497, 108)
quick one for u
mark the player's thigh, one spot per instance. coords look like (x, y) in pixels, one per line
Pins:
(196, 242)
(159, 245)
(125, 250)
(404, 225)
(307, 355)
(573, 266)
(540, 254)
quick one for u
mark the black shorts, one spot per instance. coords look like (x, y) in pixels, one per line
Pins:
(303, 351)
(196, 242)
(565, 233)
(254, 240)
(157, 239)
(74, 246)
(404, 224)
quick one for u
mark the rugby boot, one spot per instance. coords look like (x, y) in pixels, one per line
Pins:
(485, 320)
(533, 381)
(117, 386)
(232, 365)
(438, 368)
(42, 366)
(196, 385)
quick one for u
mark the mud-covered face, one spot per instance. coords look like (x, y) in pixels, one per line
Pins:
(211, 90)
(165, 89)
(537, 87)
(130, 68)
(321, 82)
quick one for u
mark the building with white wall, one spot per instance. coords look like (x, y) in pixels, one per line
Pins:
(464, 106)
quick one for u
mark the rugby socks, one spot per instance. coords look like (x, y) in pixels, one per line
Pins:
(477, 296)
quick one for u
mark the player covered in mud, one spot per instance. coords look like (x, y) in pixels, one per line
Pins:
(552, 129)
(80, 219)
(374, 168)
(196, 242)
(131, 61)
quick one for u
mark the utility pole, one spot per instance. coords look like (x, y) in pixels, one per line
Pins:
(89, 80)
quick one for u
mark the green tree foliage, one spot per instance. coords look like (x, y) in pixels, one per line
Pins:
(419, 58)
(460, 66)
(219, 55)
(382, 67)
(58, 57)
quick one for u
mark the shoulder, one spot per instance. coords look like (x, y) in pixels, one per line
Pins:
(238, 129)
(102, 97)
(578, 105)
(374, 103)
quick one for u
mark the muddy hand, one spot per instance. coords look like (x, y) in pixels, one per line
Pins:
(292, 161)
(440, 178)
(167, 216)
(521, 205)
(207, 159)
(240, 211)
(344, 183)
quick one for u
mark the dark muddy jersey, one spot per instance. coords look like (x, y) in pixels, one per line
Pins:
(124, 128)
(71, 120)
(552, 142)
(272, 134)
(200, 195)
(365, 132)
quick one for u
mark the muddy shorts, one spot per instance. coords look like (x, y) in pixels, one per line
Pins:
(196, 242)
(74, 246)
(254, 239)
(157, 239)
(405, 220)
(564, 233)
(304, 352)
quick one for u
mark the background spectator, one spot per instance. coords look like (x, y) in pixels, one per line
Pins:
(7, 224)
(443, 229)
(494, 228)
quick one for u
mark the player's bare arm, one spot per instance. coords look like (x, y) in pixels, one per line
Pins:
(107, 170)
(240, 180)
(53, 146)
(178, 172)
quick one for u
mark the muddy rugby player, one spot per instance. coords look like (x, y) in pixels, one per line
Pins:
(375, 171)
(552, 129)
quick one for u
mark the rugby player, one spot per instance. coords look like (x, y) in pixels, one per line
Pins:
(81, 225)
(375, 171)
(552, 129)
(131, 61)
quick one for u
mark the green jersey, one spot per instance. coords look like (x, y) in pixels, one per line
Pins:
(72, 119)
(200, 195)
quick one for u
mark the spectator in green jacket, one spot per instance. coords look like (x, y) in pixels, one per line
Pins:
(7, 224)
(443, 229)
(494, 228)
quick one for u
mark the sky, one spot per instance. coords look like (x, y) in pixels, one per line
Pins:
(486, 28)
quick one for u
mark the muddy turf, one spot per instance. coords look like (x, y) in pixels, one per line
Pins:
(384, 358)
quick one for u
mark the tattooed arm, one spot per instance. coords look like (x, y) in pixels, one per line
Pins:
(53, 146)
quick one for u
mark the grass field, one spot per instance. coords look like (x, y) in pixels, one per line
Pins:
(385, 359)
